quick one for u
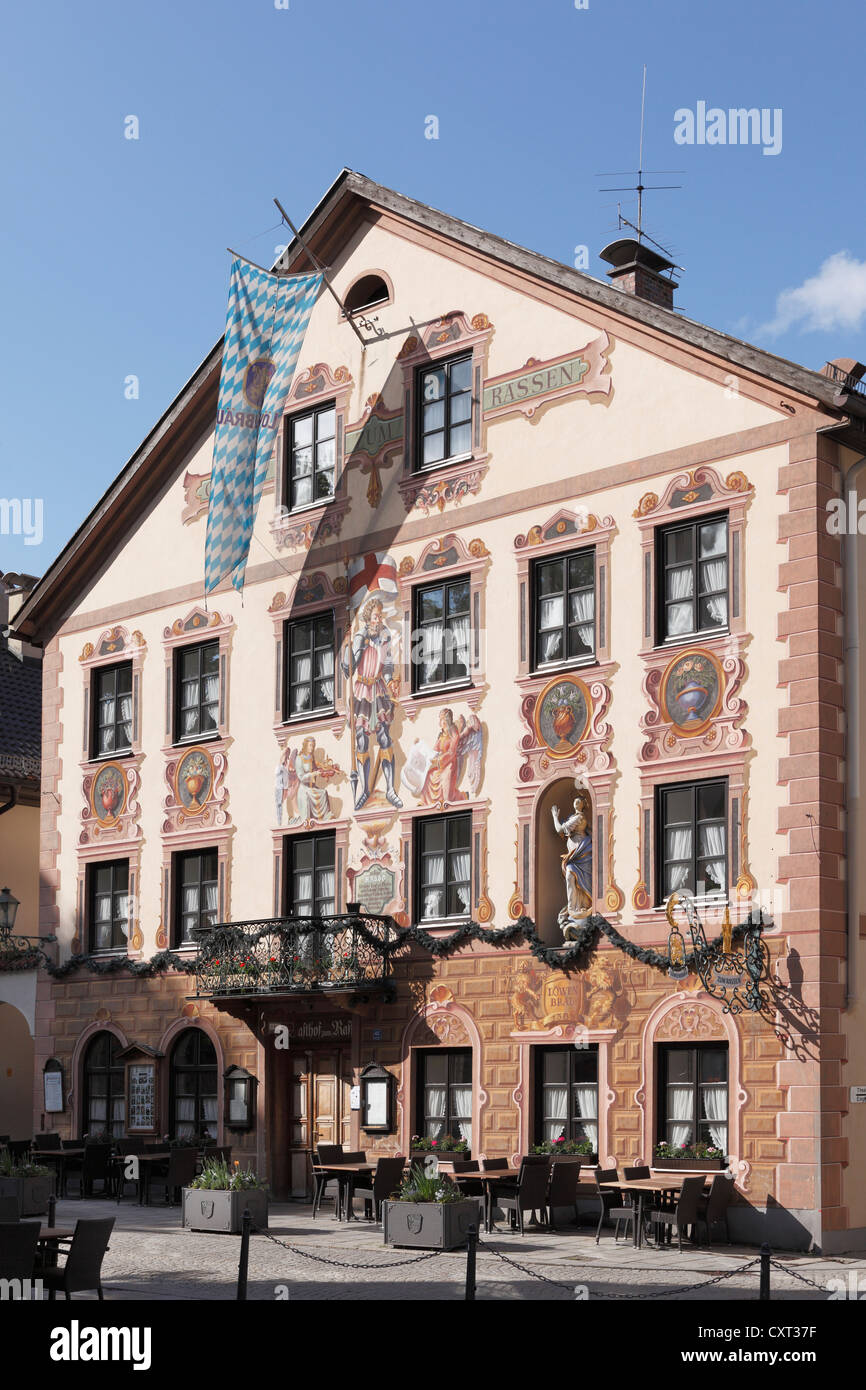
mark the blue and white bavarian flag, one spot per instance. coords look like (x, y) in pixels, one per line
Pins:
(265, 325)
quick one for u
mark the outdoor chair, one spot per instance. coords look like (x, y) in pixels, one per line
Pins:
(18, 1241)
(178, 1172)
(612, 1204)
(639, 1171)
(8, 1209)
(386, 1177)
(83, 1268)
(358, 1157)
(684, 1214)
(468, 1188)
(19, 1148)
(562, 1192)
(47, 1141)
(529, 1193)
(327, 1153)
(495, 1165)
(713, 1209)
(94, 1166)
(72, 1143)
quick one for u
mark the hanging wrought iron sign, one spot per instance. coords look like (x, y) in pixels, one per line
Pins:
(17, 950)
(731, 975)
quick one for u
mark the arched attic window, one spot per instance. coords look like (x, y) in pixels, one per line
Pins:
(366, 293)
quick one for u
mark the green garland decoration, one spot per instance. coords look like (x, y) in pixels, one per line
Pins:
(573, 955)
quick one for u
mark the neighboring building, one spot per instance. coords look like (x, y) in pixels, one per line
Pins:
(20, 742)
(602, 529)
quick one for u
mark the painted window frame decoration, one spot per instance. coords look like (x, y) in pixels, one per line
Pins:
(482, 909)
(110, 820)
(693, 496)
(290, 627)
(558, 535)
(583, 749)
(180, 738)
(177, 886)
(91, 868)
(339, 828)
(194, 629)
(702, 737)
(693, 786)
(449, 481)
(692, 524)
(321, 520)
(312, 594)
(450, 557)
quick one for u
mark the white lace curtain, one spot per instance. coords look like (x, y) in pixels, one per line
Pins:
(715, 577)
(679, 846)
(556, 1105)
(712, 847)
(715, 1103)
(586, 1110)
(459, 653)
(123, 720)
(582, 612)
(461, 1099)
(431, 651)
(434, 1109)
(681, 1107)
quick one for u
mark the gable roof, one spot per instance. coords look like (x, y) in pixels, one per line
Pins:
(328, 227)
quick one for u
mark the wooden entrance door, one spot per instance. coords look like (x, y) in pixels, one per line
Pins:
(319, 1109)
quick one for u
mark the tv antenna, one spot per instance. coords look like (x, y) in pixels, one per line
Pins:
(640, 187)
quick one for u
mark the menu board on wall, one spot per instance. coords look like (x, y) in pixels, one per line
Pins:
(141, 1096)
(53, 1090)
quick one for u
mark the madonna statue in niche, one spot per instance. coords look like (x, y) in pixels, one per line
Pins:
(576, 864)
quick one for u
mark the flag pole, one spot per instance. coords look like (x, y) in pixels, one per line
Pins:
(317, 263)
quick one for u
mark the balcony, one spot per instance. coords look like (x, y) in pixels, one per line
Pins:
(286, 956)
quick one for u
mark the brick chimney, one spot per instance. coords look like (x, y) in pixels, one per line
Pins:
(637, 270)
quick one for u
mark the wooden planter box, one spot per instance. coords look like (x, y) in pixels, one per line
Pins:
(31, 1194)
(696, 1165)
(447, 1155)
(429, 1225)
(208, 1209)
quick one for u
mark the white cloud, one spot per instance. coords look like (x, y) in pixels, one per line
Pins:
(834, 298)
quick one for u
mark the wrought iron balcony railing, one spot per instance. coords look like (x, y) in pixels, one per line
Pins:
(294, 955)
(850, 380)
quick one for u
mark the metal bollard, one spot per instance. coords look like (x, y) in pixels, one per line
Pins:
(243, 1262)
(471, 1247)
(764, 1295)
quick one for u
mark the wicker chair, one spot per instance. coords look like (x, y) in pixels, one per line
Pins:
(529, 1193)
(684, 1215)
(562, 1192)
(83, 1268)
(611, 1204)
(18, 1241)
(386, 1177)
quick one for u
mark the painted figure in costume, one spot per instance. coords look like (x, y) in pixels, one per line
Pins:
(285, 783)
(371, 673)
(576, 865)
(313, 800)
(457, 748)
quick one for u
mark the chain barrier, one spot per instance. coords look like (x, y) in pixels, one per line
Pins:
(794, 1275)
(484, 1249)
(341, 1264)
(668, 1293)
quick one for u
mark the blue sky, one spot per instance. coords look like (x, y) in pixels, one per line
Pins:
(114, 249)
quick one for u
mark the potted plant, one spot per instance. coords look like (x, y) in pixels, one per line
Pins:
(566, 1148)
(31, 1184)
(694, 1156)
(429, 1213)
(217, 1198)
(446, 1148)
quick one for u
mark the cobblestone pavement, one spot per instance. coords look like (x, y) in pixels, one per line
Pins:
(152, 1257)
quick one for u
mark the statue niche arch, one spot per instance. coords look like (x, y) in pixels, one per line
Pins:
(564, 853)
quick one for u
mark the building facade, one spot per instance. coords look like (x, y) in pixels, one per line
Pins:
(541, 556)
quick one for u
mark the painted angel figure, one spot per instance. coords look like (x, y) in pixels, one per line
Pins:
(469, 751)
(576, 864)
(457, 749)
(285, 782)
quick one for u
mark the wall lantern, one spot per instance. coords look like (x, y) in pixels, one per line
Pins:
(240, 1098)
(377, 1099)
(8, 908)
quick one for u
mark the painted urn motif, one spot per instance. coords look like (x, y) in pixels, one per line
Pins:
(108, 793)
(194, 781)
(564, 720)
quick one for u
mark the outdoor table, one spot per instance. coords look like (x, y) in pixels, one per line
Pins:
(145, 1168)
(346, 1175)
(59, 1158)
(49, 1239)
(672, 1183)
